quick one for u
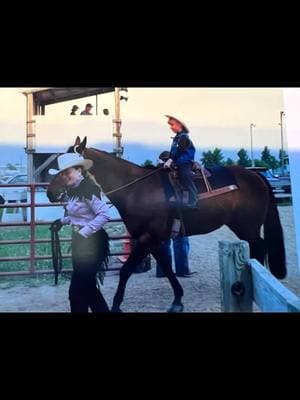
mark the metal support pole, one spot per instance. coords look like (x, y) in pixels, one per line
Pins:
(30, 136)
(281, 135)
(117, 127)
(32, 229)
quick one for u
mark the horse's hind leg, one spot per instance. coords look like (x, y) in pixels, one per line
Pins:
(137, 255)
(164, 261)
(252, 235)
(258, 249)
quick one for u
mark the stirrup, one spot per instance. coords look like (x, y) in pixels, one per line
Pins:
(175, 228)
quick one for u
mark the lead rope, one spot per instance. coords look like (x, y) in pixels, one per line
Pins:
(56, 254)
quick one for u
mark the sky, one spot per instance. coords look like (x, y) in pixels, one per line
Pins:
(216, 117)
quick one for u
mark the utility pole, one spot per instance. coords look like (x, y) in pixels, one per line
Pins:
(251, 136)
(281, 136)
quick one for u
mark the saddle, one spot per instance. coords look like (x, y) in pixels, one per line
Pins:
(210, 182)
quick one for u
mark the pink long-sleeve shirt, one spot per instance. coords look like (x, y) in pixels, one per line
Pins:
(92, 214)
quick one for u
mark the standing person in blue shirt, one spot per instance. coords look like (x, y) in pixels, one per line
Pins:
(181, 245)
(182, 155)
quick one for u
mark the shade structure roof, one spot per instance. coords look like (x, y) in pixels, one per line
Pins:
(47, 96)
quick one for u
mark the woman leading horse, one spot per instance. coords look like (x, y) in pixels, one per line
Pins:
(87, 214)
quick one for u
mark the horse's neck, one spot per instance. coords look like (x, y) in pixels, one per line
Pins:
(112, 172)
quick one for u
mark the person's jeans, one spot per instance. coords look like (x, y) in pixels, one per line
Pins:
(181, 247)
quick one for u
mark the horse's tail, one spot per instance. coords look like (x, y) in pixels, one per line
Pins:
(274, 242)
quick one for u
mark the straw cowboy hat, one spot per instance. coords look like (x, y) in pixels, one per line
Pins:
(69, 160)
(179, 120)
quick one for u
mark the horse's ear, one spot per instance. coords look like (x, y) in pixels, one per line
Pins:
(82, 145)
(77, 141)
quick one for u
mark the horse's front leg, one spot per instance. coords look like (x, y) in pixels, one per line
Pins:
(140, 251)
(162, 258)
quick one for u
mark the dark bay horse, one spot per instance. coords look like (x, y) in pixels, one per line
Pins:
(141, 202)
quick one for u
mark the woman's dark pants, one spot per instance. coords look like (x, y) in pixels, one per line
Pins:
(83, 292)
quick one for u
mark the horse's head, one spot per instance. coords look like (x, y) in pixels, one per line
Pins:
(56, 190)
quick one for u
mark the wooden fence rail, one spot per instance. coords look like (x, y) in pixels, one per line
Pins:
(245, 280)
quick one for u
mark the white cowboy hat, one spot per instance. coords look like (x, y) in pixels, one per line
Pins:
(179, 120)
(69, 160)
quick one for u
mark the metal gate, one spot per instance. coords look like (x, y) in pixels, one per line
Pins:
(32, 240)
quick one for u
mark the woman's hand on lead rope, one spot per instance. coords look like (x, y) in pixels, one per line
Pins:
(168, 163)
(56, 225)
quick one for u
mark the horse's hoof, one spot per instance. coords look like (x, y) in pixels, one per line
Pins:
(116, 310)
(176, 308)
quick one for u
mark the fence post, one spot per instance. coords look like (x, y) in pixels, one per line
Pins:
(32, 229)
(236, 281)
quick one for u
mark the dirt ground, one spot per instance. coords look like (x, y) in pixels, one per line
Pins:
(145, 292)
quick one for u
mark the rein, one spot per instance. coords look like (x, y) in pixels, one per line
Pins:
(124, 186)
(56, 254)
(132, 183)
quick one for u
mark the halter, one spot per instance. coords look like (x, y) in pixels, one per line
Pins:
(76, 148)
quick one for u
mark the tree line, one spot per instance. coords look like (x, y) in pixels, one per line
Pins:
(215, 157)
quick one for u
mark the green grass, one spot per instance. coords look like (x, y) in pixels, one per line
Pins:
(18, 250)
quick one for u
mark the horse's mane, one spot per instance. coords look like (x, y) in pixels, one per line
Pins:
(121, 159)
